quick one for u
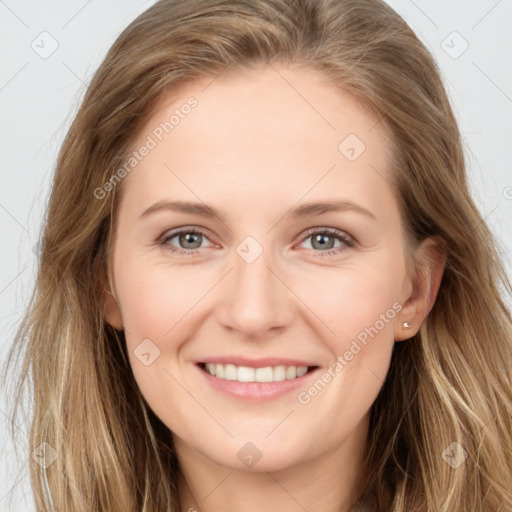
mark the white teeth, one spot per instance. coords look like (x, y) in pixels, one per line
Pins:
(245, 374)
(249, 374)
(279, 373)
(291, 372)
(263, 374)
(230, 372)
(301, 370)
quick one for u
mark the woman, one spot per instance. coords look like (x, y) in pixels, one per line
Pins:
(250, 370)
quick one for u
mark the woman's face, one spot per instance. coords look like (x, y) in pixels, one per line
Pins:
(257, 237)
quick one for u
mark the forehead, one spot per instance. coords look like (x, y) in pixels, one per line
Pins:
(271, 130)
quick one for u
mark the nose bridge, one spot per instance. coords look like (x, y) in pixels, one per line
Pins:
(256, 300)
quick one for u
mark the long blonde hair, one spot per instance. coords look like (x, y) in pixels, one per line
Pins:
(451, 383)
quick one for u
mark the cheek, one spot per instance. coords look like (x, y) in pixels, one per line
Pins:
(361, 309)
(354, 303)
(158, 304)
(155, 299)
(162, 308)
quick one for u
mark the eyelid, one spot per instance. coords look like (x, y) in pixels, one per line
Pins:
(330, 231)
(184, 229)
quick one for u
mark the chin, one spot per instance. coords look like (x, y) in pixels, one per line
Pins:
(257, 456)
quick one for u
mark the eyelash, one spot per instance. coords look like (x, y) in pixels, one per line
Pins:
(340, 235)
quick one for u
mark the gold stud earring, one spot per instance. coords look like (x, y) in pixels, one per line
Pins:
(406, 325)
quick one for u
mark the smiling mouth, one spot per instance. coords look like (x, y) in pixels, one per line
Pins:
(276, 373)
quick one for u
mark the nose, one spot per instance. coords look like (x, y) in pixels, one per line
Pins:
(255, 298)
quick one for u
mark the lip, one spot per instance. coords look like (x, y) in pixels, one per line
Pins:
(255, 392)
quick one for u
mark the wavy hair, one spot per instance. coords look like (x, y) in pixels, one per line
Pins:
(450, 383)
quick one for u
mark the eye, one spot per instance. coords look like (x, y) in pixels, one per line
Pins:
(190, 238)
(325, 238)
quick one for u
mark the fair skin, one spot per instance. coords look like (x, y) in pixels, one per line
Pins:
(253, 149)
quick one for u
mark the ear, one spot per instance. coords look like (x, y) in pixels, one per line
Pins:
(112, 311)
(423, 286)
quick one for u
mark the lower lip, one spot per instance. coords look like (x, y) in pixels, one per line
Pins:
(255, 391)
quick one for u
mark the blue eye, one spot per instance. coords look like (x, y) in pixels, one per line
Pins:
(325, 238)
(187, 237)
(322, 239)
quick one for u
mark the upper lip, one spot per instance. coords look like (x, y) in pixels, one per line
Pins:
(255, 363)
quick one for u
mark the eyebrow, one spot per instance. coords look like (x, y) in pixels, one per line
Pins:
(304, 210)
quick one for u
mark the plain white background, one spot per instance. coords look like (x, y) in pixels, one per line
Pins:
(49, 52)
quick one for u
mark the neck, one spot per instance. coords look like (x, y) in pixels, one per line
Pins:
(329, 483)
